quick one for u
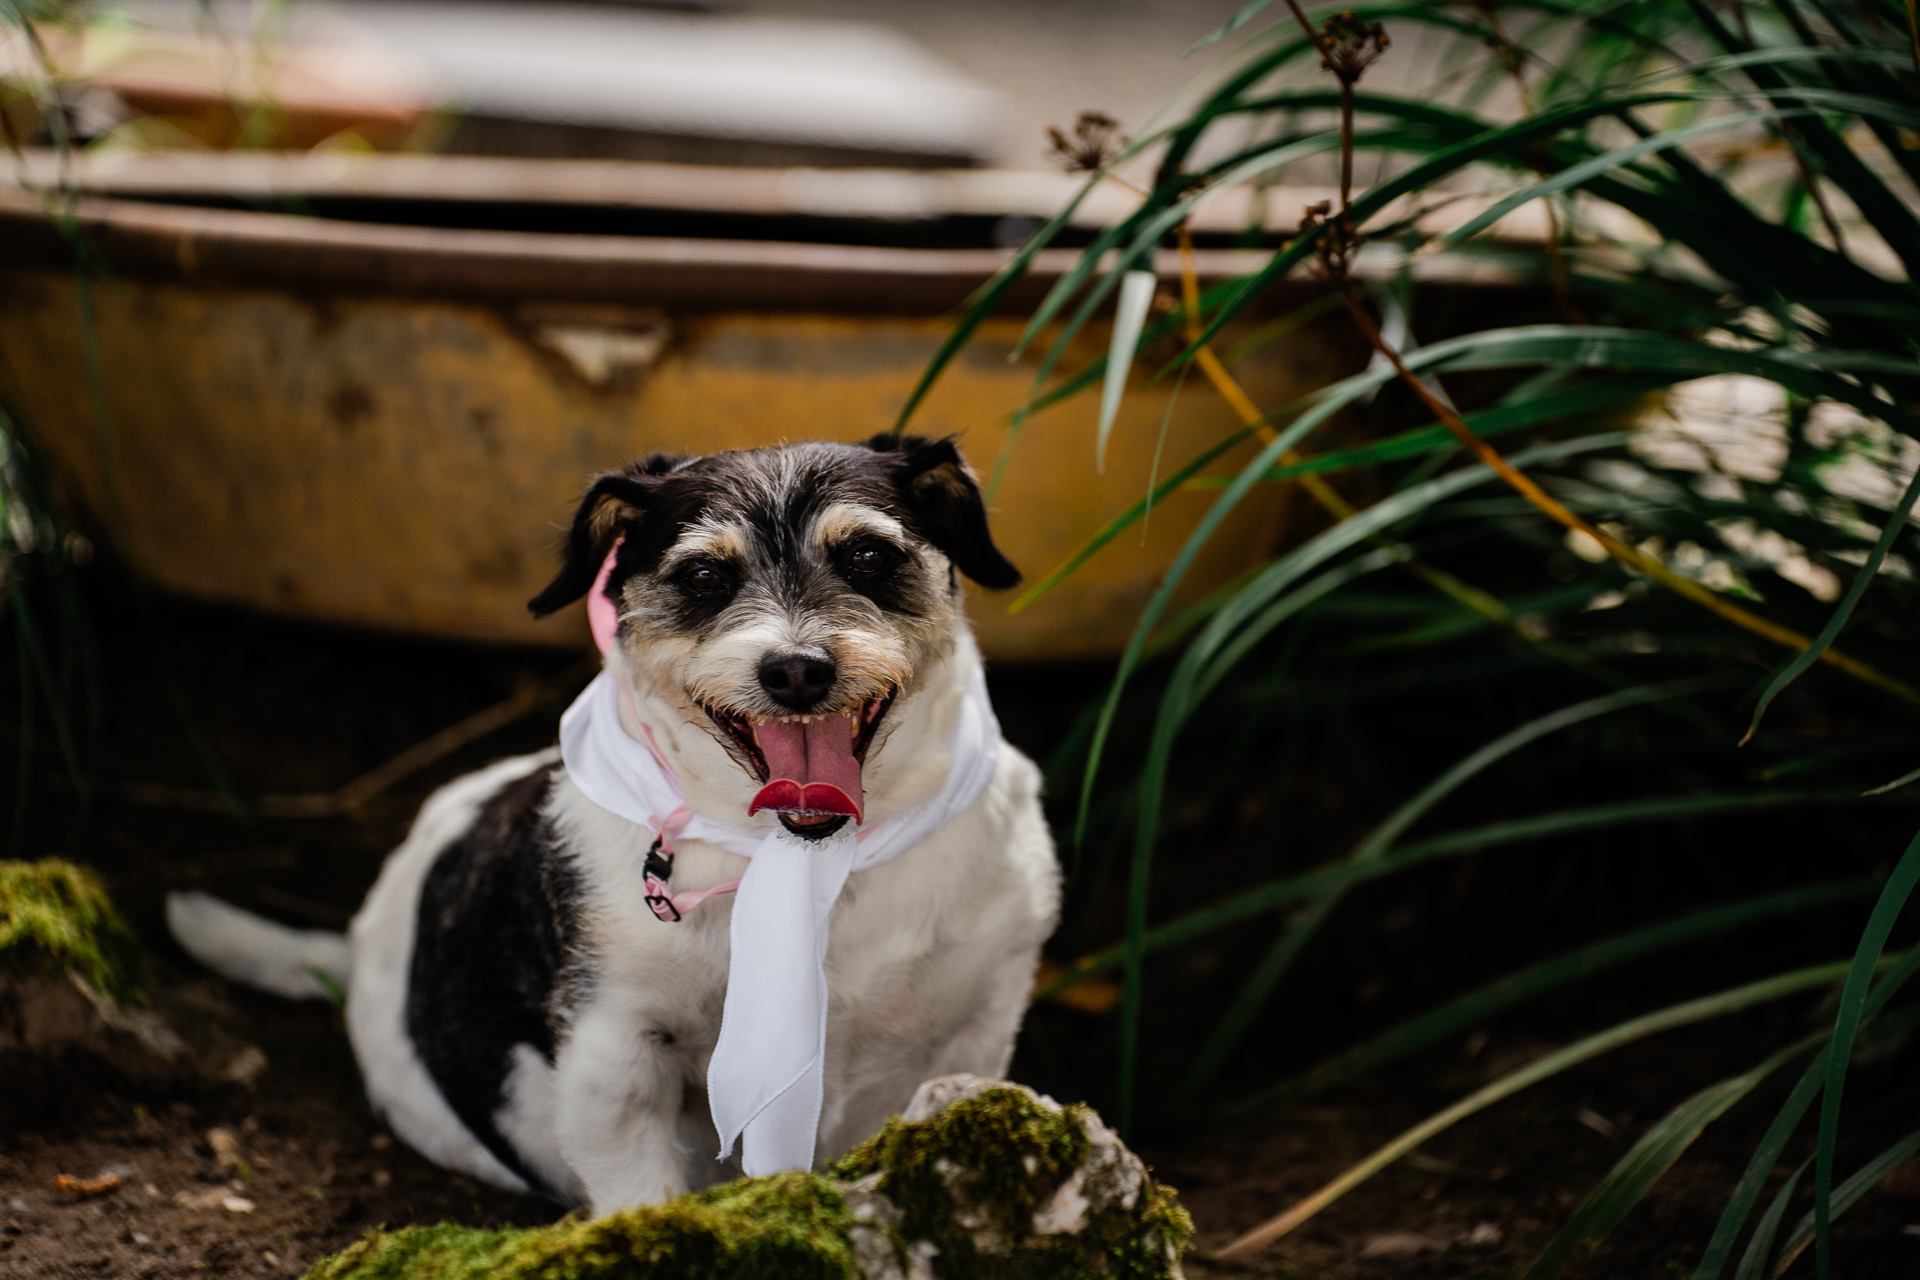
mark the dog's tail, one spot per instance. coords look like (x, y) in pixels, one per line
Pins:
(301, 964)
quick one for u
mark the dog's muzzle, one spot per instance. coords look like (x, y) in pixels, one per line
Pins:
(809, 766)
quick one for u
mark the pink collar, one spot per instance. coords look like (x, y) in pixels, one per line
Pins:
(603, 619)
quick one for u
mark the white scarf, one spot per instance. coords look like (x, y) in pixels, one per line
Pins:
(768, 1071)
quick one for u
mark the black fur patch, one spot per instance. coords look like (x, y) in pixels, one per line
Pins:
(493, 942)
(613, 502)
(776, 493)
(941, 502)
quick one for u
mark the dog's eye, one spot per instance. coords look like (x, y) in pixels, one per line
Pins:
(868, 561)
(703, 579)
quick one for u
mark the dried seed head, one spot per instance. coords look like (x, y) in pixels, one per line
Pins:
(1337, 244)
(1349, 46)
(1096, 139)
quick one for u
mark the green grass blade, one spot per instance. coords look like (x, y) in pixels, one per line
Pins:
(1246, 13)
(1839, 101)
(1895, 785)
(1561, 402)
(1767, 1155)
(1753, 1264)
(1681, 1015)
(1136, 291)
(1511, 139)
(1773, 261)
(336, 993)
(1182, 138)
(1254, 992)
(1286, 607)
(1846, 1026)
(1885, 211)
(984, 302)
(33, 658)
(1273, 894)
(1143, 230)
(1259, 985)
(1622, 813)
(1092, 372)
(1120, 523)
(1477, 1006)
(1282, 573)
(1628, 1182)
(1863, 578)
(1506, 744)
(1848, 1193)
(1578, 174)
(1784, 57)
(1325, 407)
(1277, 576)
(1083, 269)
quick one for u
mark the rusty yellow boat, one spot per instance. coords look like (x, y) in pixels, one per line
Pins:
(366, 418)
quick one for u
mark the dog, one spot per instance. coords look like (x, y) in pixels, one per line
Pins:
(536, 985)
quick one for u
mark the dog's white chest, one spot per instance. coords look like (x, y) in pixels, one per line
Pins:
(929, 965)
(930, 959)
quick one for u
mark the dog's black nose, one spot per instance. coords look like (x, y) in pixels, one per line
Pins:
(796, 680)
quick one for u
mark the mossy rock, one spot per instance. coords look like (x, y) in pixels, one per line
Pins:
(67, 962)
(978, 1180)
(791, 1227)
(56, 918)
(992, 1181)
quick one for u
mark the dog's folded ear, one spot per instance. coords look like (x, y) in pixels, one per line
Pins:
(940, 493)
(615, 503)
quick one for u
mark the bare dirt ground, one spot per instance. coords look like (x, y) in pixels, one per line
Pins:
(217, 1178)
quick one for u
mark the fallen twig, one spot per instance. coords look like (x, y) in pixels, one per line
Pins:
(354, 796)
(86, 1188)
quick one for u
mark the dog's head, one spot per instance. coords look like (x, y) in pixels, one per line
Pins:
(785, 600)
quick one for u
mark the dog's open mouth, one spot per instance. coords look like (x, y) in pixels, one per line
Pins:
(808, 766)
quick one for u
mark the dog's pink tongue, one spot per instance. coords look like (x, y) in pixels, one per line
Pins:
(810, 768)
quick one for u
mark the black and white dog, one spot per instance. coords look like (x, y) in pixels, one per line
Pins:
(536, 983)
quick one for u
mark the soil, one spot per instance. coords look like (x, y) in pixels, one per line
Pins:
(261, 1164)
(310, 1171)
(305, 1172)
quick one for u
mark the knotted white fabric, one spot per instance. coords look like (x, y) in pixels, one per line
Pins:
(768, 1070)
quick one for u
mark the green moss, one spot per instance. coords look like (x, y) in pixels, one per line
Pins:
(958, 1190)
(970, 1179)
(791, 1227)
(1003, 1152)
(1147, 1242)
(55, 916)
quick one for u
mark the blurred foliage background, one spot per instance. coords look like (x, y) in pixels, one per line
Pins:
(1644, 547)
